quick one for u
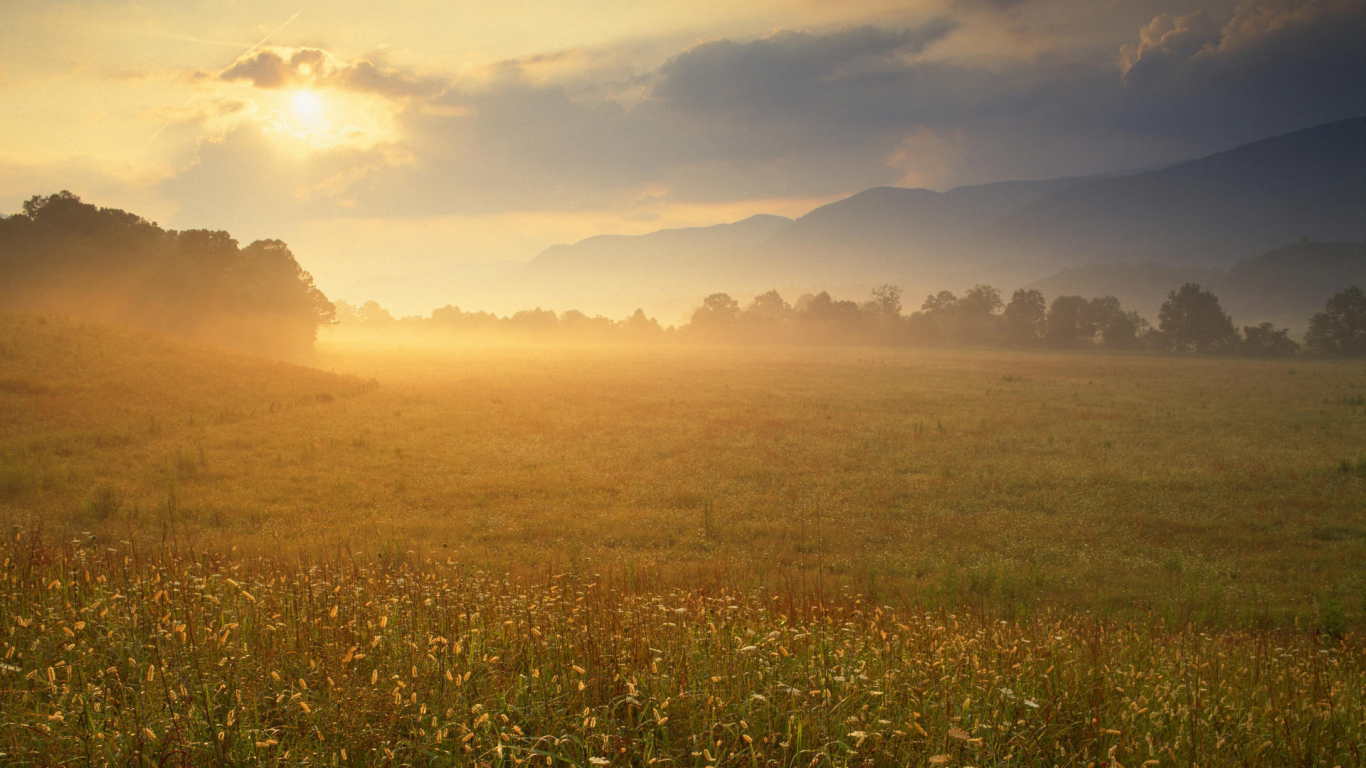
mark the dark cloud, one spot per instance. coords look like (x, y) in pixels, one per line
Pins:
(803, 114)
(1167, 41)
(315, 68)
(1273, 66)
(781, 73)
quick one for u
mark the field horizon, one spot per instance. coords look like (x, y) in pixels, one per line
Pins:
(422, 551)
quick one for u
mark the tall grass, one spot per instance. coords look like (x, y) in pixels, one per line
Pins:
(116, 655)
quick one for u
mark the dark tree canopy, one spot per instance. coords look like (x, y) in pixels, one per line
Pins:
(1070, 323)
(1340, 329)
(1192, 320)
(1266, 340)
(61, 254)
(1026, 317)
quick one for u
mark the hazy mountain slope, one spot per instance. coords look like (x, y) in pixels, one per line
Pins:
(889, 231)
(1210, 211)
(679, 248)
(662, 271)
(1204, 213)
(1287, 284)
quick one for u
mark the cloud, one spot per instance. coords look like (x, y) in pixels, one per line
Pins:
(794, 114)
(786, 68)
(273, 68)
(1271, 67)
(1267, 30)
(194, 113)
(1168, 40)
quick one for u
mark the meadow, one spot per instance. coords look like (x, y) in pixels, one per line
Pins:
(412, 551)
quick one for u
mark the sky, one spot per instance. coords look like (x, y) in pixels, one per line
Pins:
(398, 139)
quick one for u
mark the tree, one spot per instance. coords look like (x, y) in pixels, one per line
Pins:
(940, 303)
(1026, 317)
(1340, 329)
(373, 315)
(977, 313)
(640, 326)
(1266, 340)
(887, 299)
(1191, 319)
(768, 308)
(1125, 330)
(716, 315)
(1069, 322)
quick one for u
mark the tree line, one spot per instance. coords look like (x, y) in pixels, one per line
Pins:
(531, 323)
(61, 254)
(1190, 320)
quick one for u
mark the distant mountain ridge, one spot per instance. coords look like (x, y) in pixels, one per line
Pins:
(1211, 211)
(1206, 213)
(1286, 284)
(682, 248)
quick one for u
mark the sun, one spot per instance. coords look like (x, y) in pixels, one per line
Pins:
(307, 104)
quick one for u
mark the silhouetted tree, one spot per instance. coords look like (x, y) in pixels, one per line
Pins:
(887, 299)
(372, 315)
(1026, 317)
(717, 309)
(1191, 319)
(533, 321)
(1125, 330)
(638, 326)
(1340, 329)
(66, 255)
(943, 302)
(1069, 322)
(1266, 340)
(977, 314)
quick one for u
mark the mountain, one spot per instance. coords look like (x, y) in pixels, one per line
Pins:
(663, 271)
(1206, 212)
(887, 231)
(1182, 220)
(685, 249)
(1285, 285)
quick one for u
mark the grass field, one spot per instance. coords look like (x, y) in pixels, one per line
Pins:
(853, 556)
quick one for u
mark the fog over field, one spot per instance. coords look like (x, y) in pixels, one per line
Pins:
(658, 384)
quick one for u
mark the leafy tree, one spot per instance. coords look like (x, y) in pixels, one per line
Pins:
(887, 299)
(372, 315)
(940, 303)
(1266, 340)
(1191, 319)
(1340, 329)
(718, 311)
(534, 320)
(1026, 317)
(346, 313)
(977, 314)
(1125, 330)
(640, 326)
(768, 308)
(62, 254)
(1069, 322)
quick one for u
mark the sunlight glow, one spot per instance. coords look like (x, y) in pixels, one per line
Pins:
(307, 104)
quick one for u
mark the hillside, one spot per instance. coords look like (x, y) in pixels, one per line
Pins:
(1285, 285)
(80, 399)
(1205, 213)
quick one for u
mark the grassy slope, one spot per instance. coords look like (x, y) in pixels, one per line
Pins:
(674, 600)
(1206, 489)
(84, 404)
